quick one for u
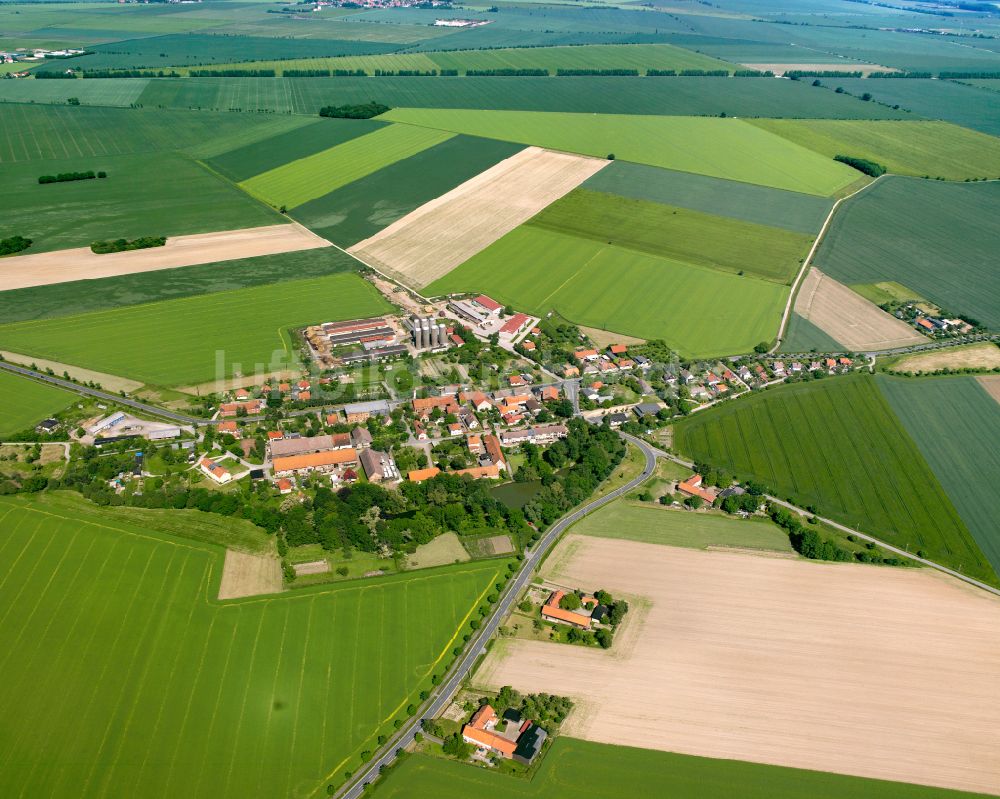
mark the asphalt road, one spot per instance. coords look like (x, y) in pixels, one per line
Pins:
(442, 695)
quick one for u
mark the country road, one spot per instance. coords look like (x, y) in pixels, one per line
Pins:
(442, 695)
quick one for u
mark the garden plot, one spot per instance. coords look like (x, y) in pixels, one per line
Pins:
(431, 241)
(864, 670)
(849, 318)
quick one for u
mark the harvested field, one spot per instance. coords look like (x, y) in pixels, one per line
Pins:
(885, 673)
(605, 338)
(107, 382)
(445, 549)
(992, 385)
(313, 567)
(249, 575)
(60, 266)
(431, 241)
(849, 318)
(977, 356)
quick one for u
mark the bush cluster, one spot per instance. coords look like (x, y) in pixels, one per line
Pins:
(64, 177)
(121, 245)
(360, 111)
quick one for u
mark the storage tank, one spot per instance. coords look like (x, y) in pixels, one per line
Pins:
(442, 335)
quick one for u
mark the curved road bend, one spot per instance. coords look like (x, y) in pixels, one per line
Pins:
(443, 694)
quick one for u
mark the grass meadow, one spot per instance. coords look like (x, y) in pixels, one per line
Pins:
(575, 769)
(943, 243)
(364, 207)
(837, 446)
(200, 338)
(696, 310)
(759, 205)
(934, 149)
(956, 425)
(311, 177)
(594, 56)
(653, 524)
(83, 296)
(679, 234)
(723, 148)
(137, 682)
(145, 194)
(25, 402)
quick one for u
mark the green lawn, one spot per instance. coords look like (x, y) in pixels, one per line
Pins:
(574, 769)
(942, 244)
(956, 425)
(196, 339)
(145, 194)
(678, 233)
(794, 211)
(25, 403)
(307, 178)
(653, 524)
(698, 311)
(138, 683)
(836, 445)
(595, 56)
(936, 149)
(724, 148)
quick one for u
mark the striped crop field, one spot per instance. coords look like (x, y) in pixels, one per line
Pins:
(25, 402)
(311, 177)
(131, 679)
(956, 425)
(837, 446)
(196, 339)
(722, 148)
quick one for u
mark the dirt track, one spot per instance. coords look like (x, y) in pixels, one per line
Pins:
(445, 232)
(249, 575)
(61, 266)
(879, 672)
(849, 318)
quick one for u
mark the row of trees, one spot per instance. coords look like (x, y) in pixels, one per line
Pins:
(121, 245)
(357, 111)
(65, 177)
(870, 168)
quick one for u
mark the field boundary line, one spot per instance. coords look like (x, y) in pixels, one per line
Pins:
(807, 263)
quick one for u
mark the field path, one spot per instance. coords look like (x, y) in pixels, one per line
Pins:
(79, 263)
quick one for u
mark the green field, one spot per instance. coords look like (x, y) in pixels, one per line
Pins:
(800, 213)
(697, 311)
(196, 339)
(25, 402)
(40, 132)
(935, 149)
(801, 335)
(145, 194)
(956, 425)
(837, 445)
(574, 769)
(311, 177)
(595, 56)
(678, 233)
(244, 162)
(138, 682)
(680, 97)
(724, 148)
(651, 524)
(366, 206)
(942, 244)
(82, 296)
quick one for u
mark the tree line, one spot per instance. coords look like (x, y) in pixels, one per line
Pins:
(862, 165)
(121, 245)
(64, 177)
(359, 111)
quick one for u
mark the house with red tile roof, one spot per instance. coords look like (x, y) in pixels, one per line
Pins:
(419, 475)
(515, 324)
(693, 488)
(617, 349)
(284, 486)
(586, 355)
(552, 612)
(488, 304)
(227, 427)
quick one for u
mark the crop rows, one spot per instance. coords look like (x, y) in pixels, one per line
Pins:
(836, 445)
